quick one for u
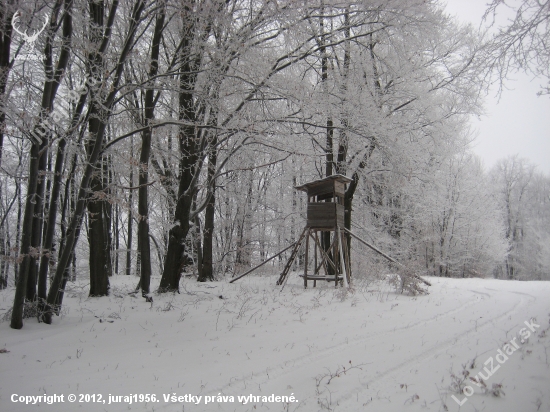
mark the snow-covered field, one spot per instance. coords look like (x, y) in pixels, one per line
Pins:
(240, 346)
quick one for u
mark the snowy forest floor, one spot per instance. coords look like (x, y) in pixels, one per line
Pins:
(369, 349)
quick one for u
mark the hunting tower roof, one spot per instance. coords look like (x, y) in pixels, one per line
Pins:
(307, 187)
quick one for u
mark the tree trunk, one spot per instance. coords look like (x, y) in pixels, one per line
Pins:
(18, 227)
(341, 160)
(51, 85)
(207, 272)
(189, 166)
(50, 225)
(130, 220)
(6, 28)
(76, 219)
(197, 245)
(3, 262)
(99, 259)
(143, 206)
(5, 47)
(108, 210)
(173, 263)
(36, 237)
(21, 287)
(97, 239)
(116, 229)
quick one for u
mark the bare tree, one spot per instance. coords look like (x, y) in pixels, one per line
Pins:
(111, 90)
(149, 108)
(54, 75)
(524, 42)
(513, 178)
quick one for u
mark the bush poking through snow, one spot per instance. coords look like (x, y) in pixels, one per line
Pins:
(325, 403)
(35, 309)
(406, 282)
(460, 380)
(341, 370)
(496, 390)
(412, 399)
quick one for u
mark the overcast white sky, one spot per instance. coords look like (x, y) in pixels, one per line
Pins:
(517, 124)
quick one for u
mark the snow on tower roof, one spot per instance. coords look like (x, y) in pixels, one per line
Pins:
(339, 178)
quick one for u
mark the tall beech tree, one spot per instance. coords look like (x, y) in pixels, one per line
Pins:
(98, 219)
(111, 90)
(26, 284)
(149, 114)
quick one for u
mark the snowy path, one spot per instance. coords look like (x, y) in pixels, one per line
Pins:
(258, 341)
(415, 348)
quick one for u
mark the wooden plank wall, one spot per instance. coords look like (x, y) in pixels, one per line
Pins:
(325, 215)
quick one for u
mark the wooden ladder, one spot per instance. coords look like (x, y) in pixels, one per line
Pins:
(292, 257)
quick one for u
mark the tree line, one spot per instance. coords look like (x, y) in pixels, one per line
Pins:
(145, 138)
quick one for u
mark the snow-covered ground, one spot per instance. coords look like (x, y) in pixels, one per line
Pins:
(316, 349)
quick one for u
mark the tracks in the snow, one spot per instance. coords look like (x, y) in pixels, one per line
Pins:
(423, 356)
(313, 363)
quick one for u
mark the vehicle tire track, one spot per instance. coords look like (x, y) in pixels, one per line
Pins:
(433, 351)
(262, 377)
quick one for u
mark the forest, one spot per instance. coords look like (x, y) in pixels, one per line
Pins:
(163, 139)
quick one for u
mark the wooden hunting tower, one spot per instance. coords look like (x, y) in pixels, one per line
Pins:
(325, 228)
(325, 214)
(325, 202)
